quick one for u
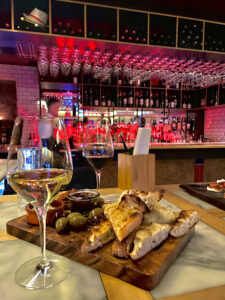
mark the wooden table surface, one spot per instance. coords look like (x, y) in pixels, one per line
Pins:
(120, 290)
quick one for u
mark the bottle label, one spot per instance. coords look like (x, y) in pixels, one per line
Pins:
(109, 103)
(141, 102)
(103, 103)
(96, 102)
(125, 101)
(147, 102)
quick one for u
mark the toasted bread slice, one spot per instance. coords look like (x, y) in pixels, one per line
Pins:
(100, 235)
(124, 219)
(130, 201)
(147, 238)
(122, 249)
(218, 186)
(185, 220)
(161, 215)
(149, 198)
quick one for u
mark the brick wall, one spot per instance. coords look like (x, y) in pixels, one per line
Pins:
(215, 123)
(27, 86)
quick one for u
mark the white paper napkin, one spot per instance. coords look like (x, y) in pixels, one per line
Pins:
(142, 141)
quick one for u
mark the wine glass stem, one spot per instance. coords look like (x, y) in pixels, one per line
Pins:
(42, 213)
(98, 178)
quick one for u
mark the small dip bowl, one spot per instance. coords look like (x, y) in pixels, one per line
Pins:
(83, 200)
(55, 207)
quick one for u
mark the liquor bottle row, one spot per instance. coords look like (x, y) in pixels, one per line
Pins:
(91, 97)
(175, 130)
(142, 98)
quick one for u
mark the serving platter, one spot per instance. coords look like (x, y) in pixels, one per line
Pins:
(144, 273)
(200, 191)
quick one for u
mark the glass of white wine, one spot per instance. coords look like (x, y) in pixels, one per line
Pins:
(39, 164)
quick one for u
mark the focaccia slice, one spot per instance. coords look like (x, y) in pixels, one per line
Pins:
(122, 249)
(185, 221)
(99, 236)
(161, 215)
(124, 219)
(148, 237)
(149, 198)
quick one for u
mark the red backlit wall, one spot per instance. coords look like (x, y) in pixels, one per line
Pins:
(215, 123)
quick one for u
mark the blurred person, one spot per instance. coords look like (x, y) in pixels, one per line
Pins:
(53, 106)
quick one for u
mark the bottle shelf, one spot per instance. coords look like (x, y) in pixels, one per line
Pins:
(121, 25)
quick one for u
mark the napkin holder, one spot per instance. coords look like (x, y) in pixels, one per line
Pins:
(136, 172)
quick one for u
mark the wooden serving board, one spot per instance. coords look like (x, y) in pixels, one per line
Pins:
(144, 273)
(200, 191)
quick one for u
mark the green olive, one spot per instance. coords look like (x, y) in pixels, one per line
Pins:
(96, 212)
(78, 222)
(73, 215)
(62, 225)
(99, 201)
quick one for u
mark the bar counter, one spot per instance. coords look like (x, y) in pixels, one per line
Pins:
(198, 273)
(174, 162)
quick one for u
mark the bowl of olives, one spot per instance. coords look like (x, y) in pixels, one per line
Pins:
(84, 200)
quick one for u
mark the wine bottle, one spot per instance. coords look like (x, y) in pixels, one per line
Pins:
(137, 98)
(179, 124)
(124, 99)
(174, 124)
(151, 101)
(131, 98)
(147, 102)
(175, 101)
(183, 125)
(109, 102)
(103, 103)
(120, 102)
(141, 99)
(157, 100)
(96, 98)
(172, 103)
(85, 97)
(91, 99)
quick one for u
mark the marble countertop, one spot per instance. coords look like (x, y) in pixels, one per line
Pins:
(201, 265)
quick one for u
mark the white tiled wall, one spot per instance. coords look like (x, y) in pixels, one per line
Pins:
(215, 123)
(27, 86)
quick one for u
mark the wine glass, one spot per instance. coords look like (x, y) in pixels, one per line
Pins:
(39, 164)
(98, 147)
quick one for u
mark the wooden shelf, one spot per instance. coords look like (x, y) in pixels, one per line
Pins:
(119, 10)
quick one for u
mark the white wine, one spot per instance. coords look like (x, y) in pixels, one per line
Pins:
(39, 185)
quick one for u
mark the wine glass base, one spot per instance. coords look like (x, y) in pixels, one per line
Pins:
(30, 276)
